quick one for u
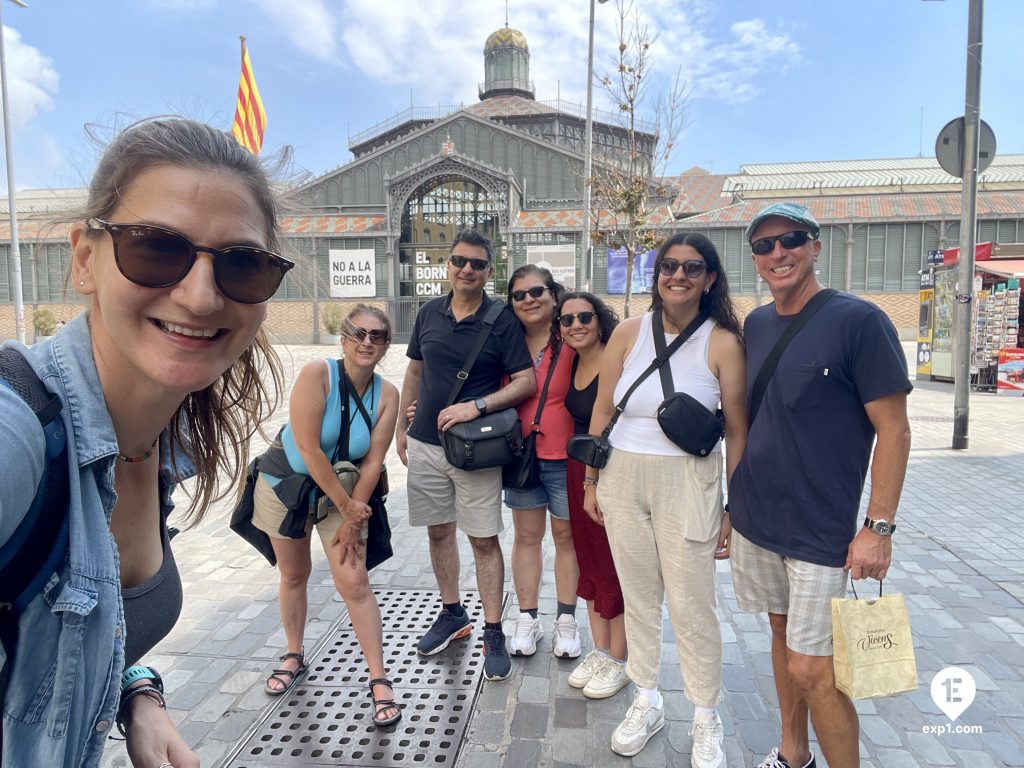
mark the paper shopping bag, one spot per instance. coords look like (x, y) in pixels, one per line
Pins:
(873, 653)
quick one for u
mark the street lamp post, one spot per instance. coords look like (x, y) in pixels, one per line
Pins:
(588, 155)
(12, 214)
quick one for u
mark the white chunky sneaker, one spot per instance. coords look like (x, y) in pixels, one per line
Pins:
(609, 679)
(524, 639)
(641, 722)
(585, 669)
(706, 731)
(567, 637)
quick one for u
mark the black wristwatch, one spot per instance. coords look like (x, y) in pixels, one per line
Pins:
(481, 405)
(881, 527)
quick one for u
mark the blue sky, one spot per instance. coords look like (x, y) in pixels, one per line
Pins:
(797, 80)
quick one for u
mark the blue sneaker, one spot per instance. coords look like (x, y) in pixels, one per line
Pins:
(497, 662)
(446, 627)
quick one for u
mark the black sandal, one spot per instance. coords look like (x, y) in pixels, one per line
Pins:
(292, 674)
(383, 705)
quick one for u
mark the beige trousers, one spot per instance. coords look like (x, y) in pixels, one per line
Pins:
(663, 515)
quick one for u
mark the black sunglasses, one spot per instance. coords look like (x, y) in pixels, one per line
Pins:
(478, 265)
(790, 240)
(536, 292)
(156, 257)
(377, 337)
(585, 318)
(691, 268)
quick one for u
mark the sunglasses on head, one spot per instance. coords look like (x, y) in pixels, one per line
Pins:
(691, 268)
(789, 240)
(376, 336)
(536, 292)
(157, 257)
(585, 318)
(478, 265)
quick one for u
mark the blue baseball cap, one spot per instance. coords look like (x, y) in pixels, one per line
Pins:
(792, 211)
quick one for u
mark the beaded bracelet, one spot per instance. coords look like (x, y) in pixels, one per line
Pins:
(122, 719)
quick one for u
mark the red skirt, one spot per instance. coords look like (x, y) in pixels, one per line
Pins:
(598, 580)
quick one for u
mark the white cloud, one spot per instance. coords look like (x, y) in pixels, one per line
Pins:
(438, 53)
(309, 24)
(32, 80)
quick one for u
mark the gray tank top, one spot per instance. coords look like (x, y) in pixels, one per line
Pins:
(151, 609)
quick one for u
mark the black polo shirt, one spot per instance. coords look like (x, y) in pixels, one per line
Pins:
(443, 345)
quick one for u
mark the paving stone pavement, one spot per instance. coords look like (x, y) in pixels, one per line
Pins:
(959, 559)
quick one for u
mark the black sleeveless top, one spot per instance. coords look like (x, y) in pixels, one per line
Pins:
(580, 402)
(151, 609)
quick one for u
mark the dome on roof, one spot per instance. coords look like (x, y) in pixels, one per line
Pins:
(506, 37)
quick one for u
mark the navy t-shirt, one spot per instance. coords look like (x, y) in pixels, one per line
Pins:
(798, 486)
(442, 345)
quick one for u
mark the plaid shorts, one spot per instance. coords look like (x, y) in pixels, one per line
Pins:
(766, 582)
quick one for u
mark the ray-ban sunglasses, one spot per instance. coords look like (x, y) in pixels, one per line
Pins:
(157, 257)
(585, 318)
(478, 265)
(536, 292)
(691, 267)
(789, 240)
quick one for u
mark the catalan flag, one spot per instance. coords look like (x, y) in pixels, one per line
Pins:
(250, 119)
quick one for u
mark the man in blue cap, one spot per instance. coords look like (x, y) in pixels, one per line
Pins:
(795, 496)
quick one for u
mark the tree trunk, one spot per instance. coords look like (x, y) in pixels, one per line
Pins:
(630, 261)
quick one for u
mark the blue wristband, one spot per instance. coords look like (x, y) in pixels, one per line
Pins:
(134, 674)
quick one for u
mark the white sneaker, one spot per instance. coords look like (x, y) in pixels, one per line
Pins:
(609, 679)
(641, 722)
(585, 669)
(524, 640)
(567, 637)
(707, 742)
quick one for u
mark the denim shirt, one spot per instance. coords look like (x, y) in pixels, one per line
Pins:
(65, 682)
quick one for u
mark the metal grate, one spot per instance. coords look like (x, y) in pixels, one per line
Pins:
(326, 719)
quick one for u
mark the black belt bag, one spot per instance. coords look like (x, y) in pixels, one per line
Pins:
(491, 440)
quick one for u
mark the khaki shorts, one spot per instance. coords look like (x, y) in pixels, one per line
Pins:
(268, 513)
(766, 582)
(439, 493)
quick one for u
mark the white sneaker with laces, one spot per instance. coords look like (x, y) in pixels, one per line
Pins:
(585, 670)
(567, 637)
(524, 639)
(641, 722)
(706, 731)
(609, 679)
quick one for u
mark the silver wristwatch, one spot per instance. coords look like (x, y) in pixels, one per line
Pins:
(881, 527)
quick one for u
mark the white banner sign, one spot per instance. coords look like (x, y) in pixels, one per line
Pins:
(352, 274)
(559, 259)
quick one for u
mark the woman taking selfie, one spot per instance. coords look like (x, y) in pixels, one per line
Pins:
(161, 378)
(337, 412)
(533, 293)
(661, 505)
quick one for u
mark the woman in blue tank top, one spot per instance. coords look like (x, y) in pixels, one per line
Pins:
(308, 445)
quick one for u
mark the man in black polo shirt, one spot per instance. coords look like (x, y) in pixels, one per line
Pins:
(442, 497)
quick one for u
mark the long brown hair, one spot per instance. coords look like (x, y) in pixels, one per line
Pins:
(213, 426)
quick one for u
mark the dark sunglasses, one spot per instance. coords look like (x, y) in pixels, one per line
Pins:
(155, 257)
(691, 268)
(377, 337)
(585, 318)
(536, 292)
(790, 240)
(478, 265)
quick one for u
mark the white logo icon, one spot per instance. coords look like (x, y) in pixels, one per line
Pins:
(953, 691)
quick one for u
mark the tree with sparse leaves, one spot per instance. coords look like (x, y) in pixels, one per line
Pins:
(626, 183)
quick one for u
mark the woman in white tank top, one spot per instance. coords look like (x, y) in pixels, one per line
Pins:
(662, 507)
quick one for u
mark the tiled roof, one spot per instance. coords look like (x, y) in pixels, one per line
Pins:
(534, 219)
(509, 106)
(332, 225)
(903, 207)
(699, 193)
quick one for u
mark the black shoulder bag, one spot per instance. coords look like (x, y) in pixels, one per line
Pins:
(772, 361)
(525, 472)
(491, 440)
(594, 450)
(684, 419)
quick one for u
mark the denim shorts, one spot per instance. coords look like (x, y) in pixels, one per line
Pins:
(549, 493)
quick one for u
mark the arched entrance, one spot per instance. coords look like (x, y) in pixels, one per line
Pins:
(432, 216)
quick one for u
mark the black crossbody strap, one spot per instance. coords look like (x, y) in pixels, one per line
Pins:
(341, 449)
(547, 382)
(359, 400)
(665, 371)
(771, 362)
(489, 320)
(661, 358)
